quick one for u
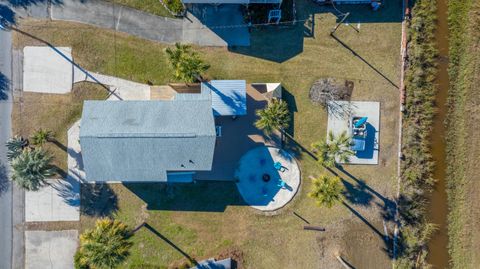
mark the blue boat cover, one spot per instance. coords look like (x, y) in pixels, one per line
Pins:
(360, 122)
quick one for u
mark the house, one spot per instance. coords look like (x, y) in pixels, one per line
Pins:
(157, 140)
(142, 141)
(245, 2)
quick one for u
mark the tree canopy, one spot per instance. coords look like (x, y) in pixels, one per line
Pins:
(31, 168)
(326, 190)
(333, 150)
(186, 63)
(15, 146)
(275, 116)
(105, 246)
(41, 136)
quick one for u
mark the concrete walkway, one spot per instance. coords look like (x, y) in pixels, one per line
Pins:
(122, 89)
(194, 30)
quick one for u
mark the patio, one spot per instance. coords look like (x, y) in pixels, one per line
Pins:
(268, 178)
(238, 136)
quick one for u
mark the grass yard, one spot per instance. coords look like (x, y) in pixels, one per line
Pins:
(197, 221)
(53, 112)
(149, 6)
(463, 140)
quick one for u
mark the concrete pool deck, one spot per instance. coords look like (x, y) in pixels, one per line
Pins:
(339, 115)
(267, 196)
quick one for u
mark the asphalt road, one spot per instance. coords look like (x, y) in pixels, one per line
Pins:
(5, 132)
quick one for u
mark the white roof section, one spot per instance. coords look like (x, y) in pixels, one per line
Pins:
(229, 97)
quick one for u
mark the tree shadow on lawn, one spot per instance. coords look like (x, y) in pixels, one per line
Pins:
(208, 196)
(289, 98)
(279, 43)
(4, 181)
(98, 200)
(388, 205)
(361, 194)
(173, 245)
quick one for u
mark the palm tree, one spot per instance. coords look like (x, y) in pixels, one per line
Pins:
(41, 136)
(31, 168)
(333, 150)
(15, 146)
(275, 116)
(326, 190)
(105, 246)
(187, 64)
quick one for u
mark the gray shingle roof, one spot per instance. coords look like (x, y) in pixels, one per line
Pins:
(142, 140)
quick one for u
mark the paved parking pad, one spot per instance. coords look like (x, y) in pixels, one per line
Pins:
(59, 201)
(47, 70)
(339, 115)
(50, 249)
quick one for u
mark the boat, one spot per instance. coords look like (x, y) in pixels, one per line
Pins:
(359, 133)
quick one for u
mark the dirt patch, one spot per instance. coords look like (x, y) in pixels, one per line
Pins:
(52, 226)
(235, 254)
(330, 89)
(346, 240)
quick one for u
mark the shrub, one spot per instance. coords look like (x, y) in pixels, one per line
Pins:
(175, 6)
(105, 246)
(31, 169)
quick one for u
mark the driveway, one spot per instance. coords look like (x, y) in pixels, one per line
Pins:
(50, 249)
(201, 27)
(46, 70)
(221, 25)
(107, 15)
(59, 201)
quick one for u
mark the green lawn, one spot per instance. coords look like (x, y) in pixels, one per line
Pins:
(149, 6)
(209, 220)
(53, 112)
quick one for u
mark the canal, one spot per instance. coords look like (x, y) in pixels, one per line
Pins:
(438, 208)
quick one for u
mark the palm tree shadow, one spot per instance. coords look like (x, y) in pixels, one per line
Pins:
(98, 200)
(357, 193)
(7, 15)
(4, 181)
(58, 144)
(388, 205)
(4, 86)
(386, 238)
(293, 146)
(173, 245)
